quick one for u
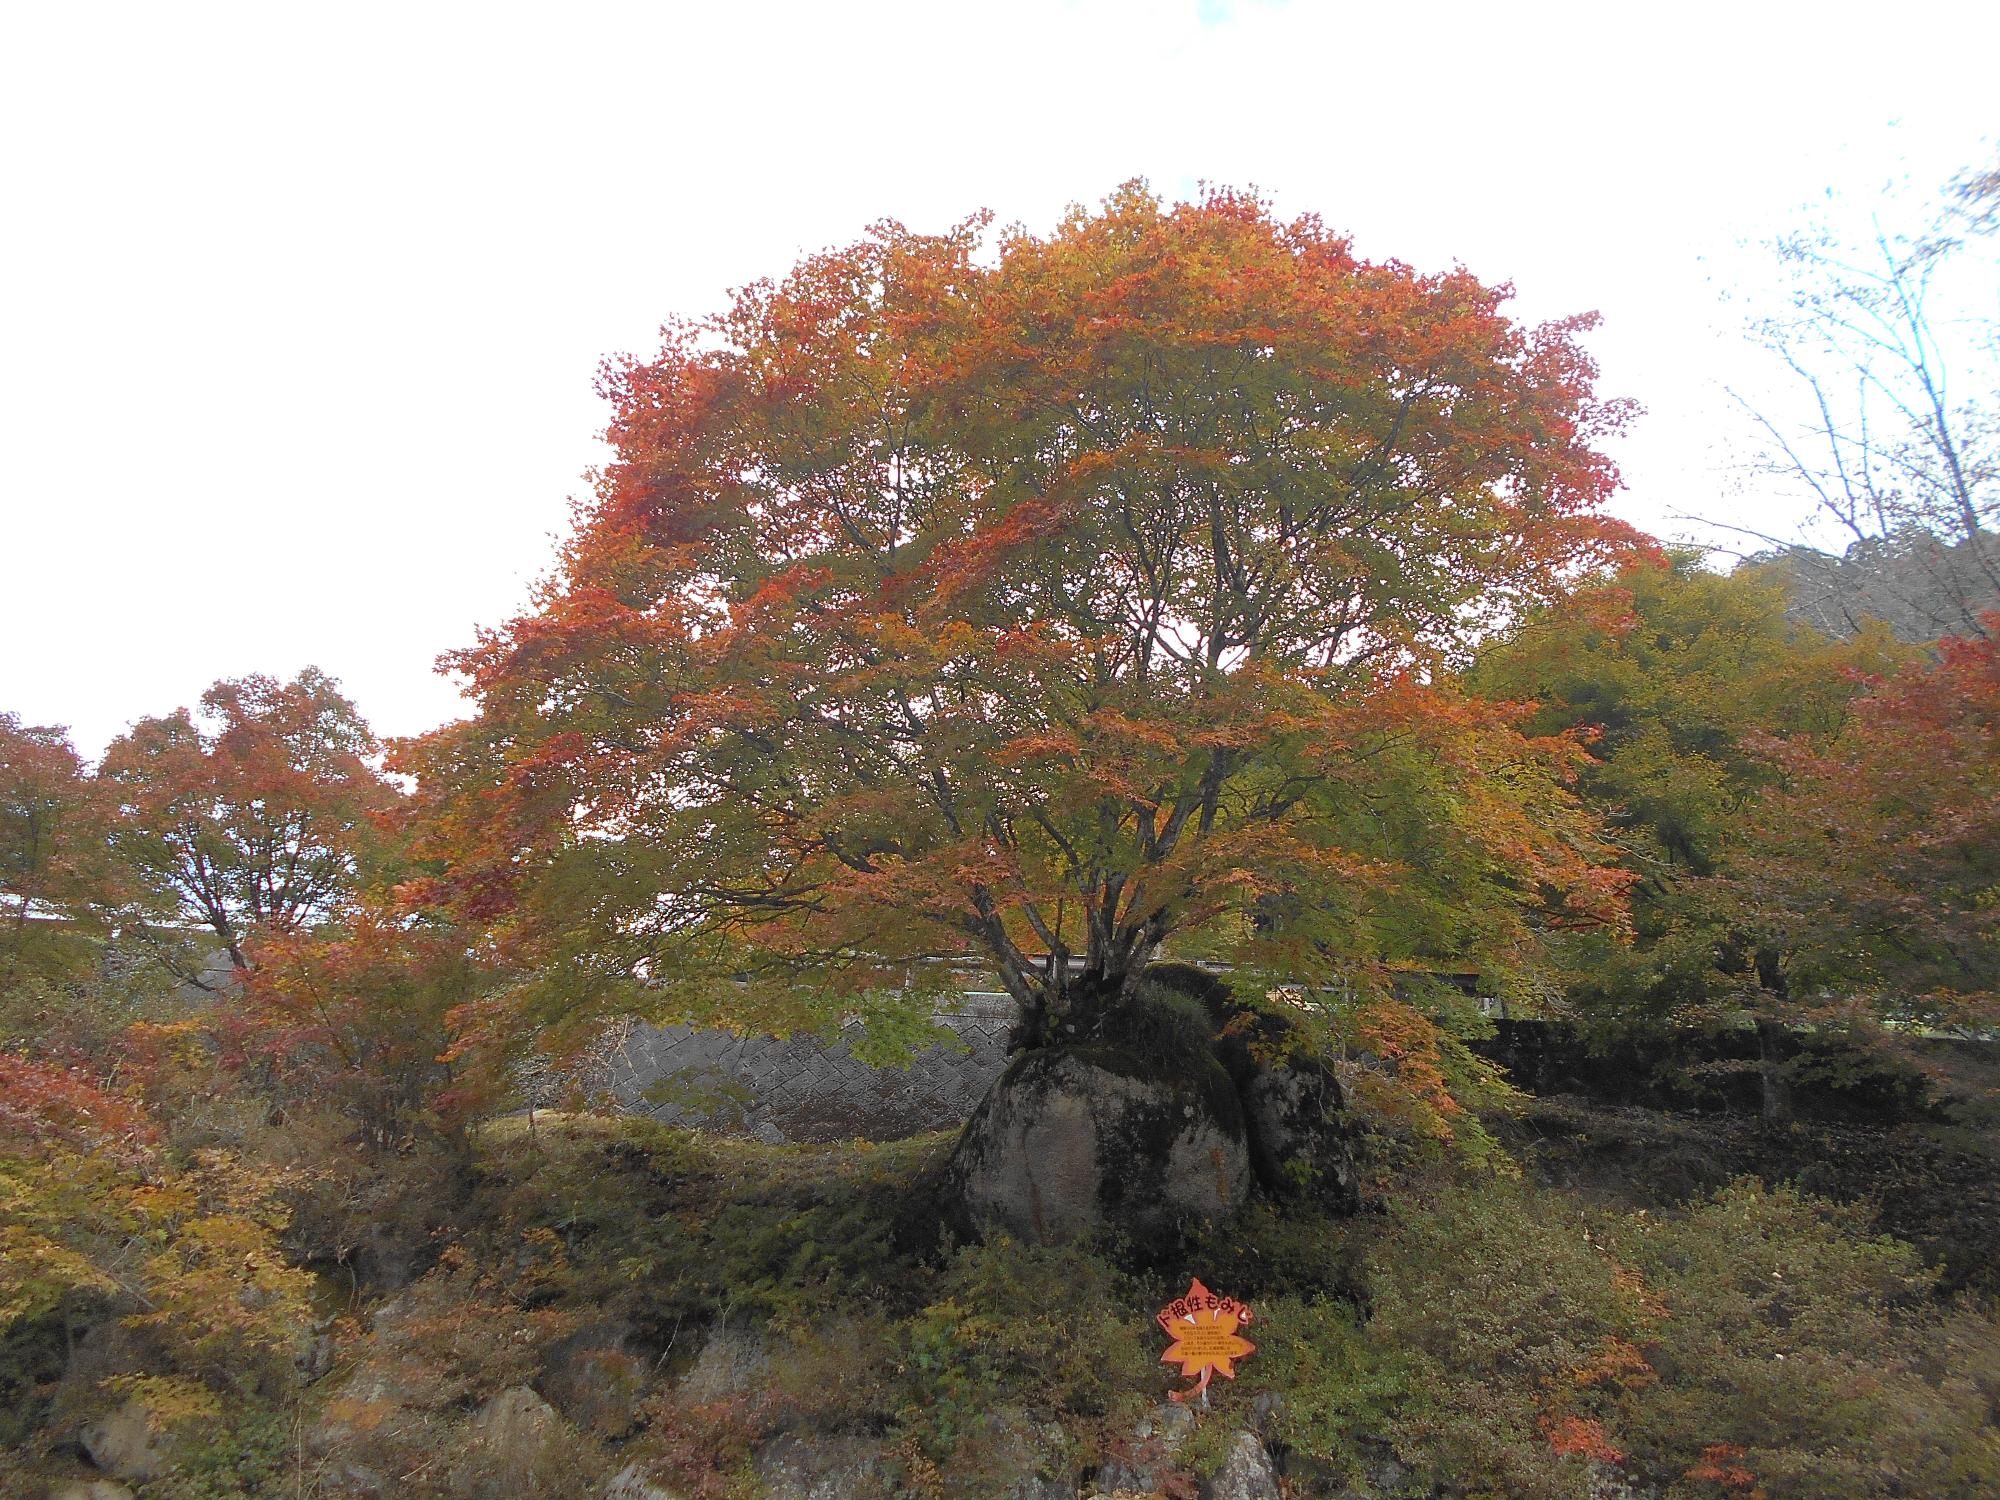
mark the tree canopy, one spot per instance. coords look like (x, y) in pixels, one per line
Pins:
(1682, 677)
(1872, 865)
(251, 818)
(1045, 606)
(54, 870)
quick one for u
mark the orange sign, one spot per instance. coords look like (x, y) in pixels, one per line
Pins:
(1205, 1342)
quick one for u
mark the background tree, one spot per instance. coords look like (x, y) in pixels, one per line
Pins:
(1048, 610)
(252, 817)
(55, 875)
(1873, 865)
(1681, 674)
(1891, 338)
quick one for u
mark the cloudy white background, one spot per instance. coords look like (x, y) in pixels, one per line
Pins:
(300, 304)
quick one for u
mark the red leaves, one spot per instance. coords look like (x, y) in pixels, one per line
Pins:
(44, 1108)
(1581, 1437)
(1874, 862)
(1721, 1465)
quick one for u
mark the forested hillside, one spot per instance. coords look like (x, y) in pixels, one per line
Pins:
(1515, 1008)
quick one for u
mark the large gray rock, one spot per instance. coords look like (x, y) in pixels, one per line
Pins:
(514, 1427)
(820, 1468)
(633, 1483)
(1143, 1463)
(1294, 1113)
(1024, 1458)
(1075, 1139)
(123, 1443)
(733, 1361)
(344, 1479)
(594, 1381)
(314, 1355)
(1246, 1473)
(370, 1400)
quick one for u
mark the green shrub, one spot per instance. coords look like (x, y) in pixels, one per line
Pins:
(1804, 1352)
(1513, 1325)
(1054, 1328)
(1761, 1342)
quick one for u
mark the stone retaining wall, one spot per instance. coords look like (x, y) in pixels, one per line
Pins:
(809, 1088)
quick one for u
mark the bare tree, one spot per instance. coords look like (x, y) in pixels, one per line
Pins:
(1893, 343)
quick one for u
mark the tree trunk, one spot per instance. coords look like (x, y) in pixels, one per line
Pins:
(1070, 1008)
(1776, 1087)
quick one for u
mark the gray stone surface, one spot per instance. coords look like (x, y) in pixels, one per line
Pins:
(515, 1426)
(1031, 1458)
(595, 1383)
(1246, 1473)
(1296, 1121)
(1143, 1463)
(122, 1443)
(796, 1467)
(808, 1088)
(730, 1363)
(1066, 1145)
(633, 1483)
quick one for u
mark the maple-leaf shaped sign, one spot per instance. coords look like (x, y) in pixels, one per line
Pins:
(1205, 1341)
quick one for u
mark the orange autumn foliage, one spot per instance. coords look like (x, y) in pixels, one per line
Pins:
(1041, 608)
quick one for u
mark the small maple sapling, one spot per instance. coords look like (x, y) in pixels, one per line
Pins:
(1042, 609)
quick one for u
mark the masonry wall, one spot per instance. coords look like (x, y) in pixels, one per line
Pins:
(810, 1088)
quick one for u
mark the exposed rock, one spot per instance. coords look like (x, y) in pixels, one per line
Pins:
(315, 1356)
(820, 1468)
(733, 1361)
(1388, 1476)
(632, 1483)
(123, 1443)
(1295, 1118)
(390, 1255)
(1027, 1458)
(1608, 1482)
(1171, 1422)
(1145, 1461)
(1073, 1139)
(351, 1481)
(515, 1426)
(90, 1489)
(592, 1380)
(1265, 1409)
(1246, 1473)
(367, 1400)
(1294, 1114)
(396, 1310)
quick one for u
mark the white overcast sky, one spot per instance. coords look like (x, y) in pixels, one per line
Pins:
(300, 304)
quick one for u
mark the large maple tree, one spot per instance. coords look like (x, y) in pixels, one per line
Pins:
(1051, 604)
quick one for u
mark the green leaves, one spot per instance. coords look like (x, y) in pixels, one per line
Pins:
(1053, 608)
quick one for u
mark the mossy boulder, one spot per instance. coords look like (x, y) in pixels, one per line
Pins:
(1074, 1140)
(127, 1443)
(1294, 1112)
(1300, 1142)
